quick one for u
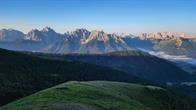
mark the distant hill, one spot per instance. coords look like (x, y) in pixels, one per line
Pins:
(22, 74)
(103, 95)
(141, 64)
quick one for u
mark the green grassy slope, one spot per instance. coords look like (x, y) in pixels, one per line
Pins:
(102, 95)
(22, 74)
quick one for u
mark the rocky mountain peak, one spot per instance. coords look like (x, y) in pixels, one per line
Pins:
(34, 35)
(164, 35)
(10, 35)
(184, 35)
(78, 34)
(82, 30)
(97, 35)
(47, 29)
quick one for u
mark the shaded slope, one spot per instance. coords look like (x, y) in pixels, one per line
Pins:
(141, 64)
(22, 74)
(103, 95)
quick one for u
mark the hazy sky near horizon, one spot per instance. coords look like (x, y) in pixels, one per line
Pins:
(130, 16)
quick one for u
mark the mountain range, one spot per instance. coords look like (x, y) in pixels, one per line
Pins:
(97, 42)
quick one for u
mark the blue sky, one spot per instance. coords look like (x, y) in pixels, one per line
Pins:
(131, 16)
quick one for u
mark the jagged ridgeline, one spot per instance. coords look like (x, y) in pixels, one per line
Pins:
(84, 41)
